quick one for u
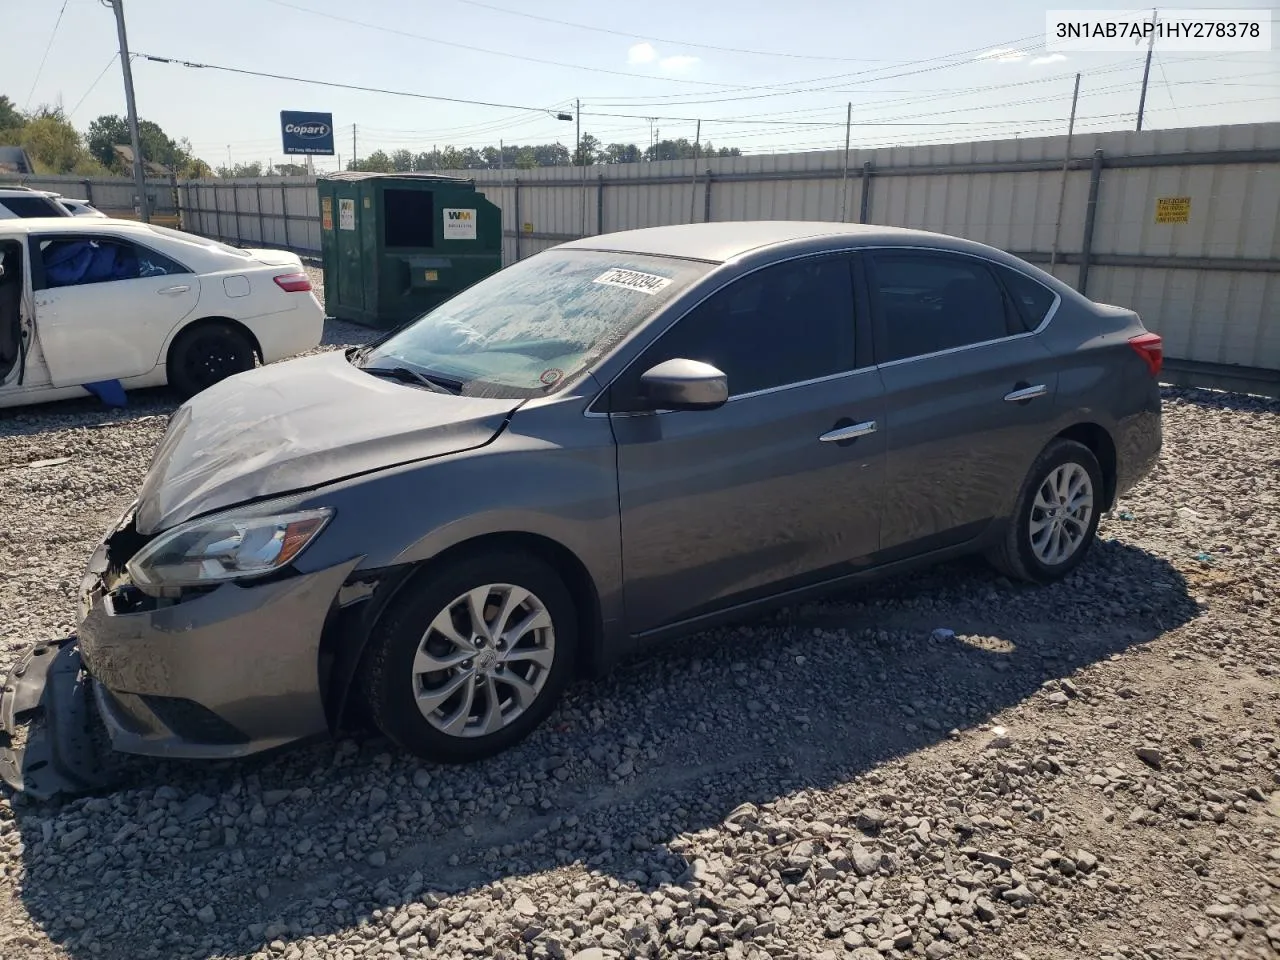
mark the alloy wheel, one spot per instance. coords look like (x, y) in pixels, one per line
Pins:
(1060, 514)
(484, 660)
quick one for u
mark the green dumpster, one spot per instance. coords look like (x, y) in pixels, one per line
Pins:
(397, 244)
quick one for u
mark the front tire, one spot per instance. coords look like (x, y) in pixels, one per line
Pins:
(473, 661)
(1055, 520)
(206, 353)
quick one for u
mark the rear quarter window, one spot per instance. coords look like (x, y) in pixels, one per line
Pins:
(1032, 299)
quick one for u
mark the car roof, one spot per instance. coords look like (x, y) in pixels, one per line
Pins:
(81, 225)
(723, 241)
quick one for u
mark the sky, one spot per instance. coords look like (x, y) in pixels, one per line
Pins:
(766, 78)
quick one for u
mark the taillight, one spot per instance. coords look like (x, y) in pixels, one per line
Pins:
(1150, 347)
(293, 282)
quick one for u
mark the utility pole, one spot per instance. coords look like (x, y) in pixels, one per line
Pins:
(1066, 160)
(577, 113)
(693, 186)
(139, 178)
(844, 182)
(354, 155)
(1146, 70)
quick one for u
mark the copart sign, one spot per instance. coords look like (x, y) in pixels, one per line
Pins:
(307, 133)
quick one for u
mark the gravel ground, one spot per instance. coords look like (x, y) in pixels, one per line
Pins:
(942, 765)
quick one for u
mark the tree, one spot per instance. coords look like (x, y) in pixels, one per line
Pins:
(109, 131)
(376, 162)
(54, 145)
(10, 118)
(552, 155)
(246, 170)
(588, 151)
(622, 153)
(402, 161)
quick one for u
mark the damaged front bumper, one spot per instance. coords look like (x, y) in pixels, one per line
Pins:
(52, 739)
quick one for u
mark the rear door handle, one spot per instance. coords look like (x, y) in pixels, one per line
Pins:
(851, 432)
(1022, 394)
(173, 291)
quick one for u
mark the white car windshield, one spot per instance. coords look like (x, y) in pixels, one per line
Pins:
(537, 325)
(199, 241)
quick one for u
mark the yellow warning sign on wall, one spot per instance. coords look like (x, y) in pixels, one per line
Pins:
(1173, 209)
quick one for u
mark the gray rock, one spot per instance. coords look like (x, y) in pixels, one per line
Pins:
(693, 936)
(1019, 896)
(197, 806)
(871, 820)
(938, 950)
(999, 861)
(525, 907)
(206, 915)
(1151, 756)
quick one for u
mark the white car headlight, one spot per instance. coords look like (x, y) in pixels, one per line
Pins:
(228, 546)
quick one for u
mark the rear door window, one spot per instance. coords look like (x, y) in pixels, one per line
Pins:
(72, 261)
(926, 303)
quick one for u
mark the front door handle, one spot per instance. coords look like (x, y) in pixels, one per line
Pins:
(851, 432)
(1024, 393)
(174, 291)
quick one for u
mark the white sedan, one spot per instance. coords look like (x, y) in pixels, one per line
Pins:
(80, 208)
(100, 306)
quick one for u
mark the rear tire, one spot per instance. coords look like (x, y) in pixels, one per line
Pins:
(1055, 519)
(447, 690)
(205, 353)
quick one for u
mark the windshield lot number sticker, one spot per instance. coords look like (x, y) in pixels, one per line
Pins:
(633, 280)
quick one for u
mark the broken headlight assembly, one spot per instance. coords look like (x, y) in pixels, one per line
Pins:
(235, 545)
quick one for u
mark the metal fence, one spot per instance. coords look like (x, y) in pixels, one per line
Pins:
(1182, 225)
(114, 196)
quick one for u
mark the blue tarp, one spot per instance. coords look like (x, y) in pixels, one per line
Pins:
(87, 261)
(109, 392)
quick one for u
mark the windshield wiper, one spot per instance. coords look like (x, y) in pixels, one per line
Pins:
(404, 374)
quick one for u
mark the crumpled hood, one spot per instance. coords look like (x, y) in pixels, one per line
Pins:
(298, 424)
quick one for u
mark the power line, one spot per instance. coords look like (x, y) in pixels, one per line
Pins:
(1168, 88)
(342, 86)
(669, 99)
(47, 47)
(682, 43)
(96, 81)
(495, 53)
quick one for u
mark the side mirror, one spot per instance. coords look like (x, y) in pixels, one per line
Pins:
(681, 384)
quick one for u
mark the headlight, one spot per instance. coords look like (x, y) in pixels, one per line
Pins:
(228, 546)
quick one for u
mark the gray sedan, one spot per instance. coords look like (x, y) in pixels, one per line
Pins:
(622, 439)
